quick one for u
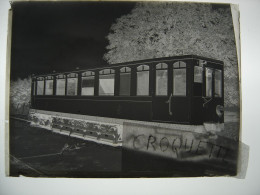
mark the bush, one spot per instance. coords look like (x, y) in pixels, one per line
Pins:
(20, 93)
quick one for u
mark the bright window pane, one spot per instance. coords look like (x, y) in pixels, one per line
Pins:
(125, 84)
(87, 85)
(209, 82)
(40, 85)
(161, 82)
(106, 84)
(143, 83)
(198, 74)
(179, 82)
(49, 87)
(60, 87)
(218, 83)
(72, 86)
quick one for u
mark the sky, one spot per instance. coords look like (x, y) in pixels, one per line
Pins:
(55, 36)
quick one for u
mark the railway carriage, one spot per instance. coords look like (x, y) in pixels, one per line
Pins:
(183, 89)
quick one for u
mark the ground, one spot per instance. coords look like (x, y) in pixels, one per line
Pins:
(39, 152)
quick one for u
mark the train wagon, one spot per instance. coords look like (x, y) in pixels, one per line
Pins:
(185, 89)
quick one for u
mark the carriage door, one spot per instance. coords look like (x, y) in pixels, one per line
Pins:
(170, 102)
(180, 102)
(161, 96)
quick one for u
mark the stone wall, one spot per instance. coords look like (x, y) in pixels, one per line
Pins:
(78, 126)
(179, 144)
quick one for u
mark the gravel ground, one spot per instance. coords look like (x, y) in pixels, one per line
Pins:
(37, 152)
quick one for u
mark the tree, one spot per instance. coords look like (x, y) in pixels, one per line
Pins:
(167, 29)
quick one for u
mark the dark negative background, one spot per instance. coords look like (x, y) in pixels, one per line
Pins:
(59, 37)
(55, 36)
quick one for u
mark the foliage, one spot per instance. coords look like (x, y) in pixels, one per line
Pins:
(20, 91)
(154, 30)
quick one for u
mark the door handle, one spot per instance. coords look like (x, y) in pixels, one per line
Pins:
(206, 101)
(170, 104)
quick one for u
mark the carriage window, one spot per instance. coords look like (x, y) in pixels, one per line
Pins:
(179, 79)
(198, 74)
(60, 85)
(142, 80)
(106, 82)
(72, 84)
(209, 82)
(125, 81)
(198, 78)
(49, 85)
(161, 79)
(40, 86)
(87, 83)
(218, 83)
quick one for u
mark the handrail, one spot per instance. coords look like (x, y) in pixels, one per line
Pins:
(206, 101)
(170, 104)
